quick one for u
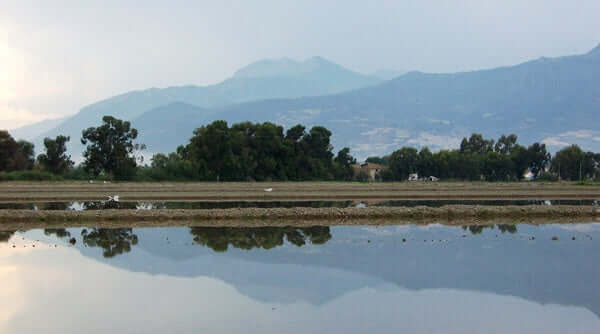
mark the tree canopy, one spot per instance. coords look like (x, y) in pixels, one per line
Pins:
(110, 149)
(477, 159)
(56, 160)
(15, 155)
(258, 151)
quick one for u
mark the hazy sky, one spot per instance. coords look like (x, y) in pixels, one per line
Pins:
(57, 56)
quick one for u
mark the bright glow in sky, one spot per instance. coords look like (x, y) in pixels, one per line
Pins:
(57, 56)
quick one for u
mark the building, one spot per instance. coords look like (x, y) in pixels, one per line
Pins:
(370, 169)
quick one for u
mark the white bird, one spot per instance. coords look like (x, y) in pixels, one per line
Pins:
(114, 198)
(91, 181)
(268, 190)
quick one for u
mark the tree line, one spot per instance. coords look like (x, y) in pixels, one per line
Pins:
(485, 159)
(264, 151)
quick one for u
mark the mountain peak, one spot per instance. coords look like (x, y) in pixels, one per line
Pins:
(595, 51)
(283, 67)
(319, 60)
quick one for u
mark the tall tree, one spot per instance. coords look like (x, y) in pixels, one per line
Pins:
(404, 162)
(539, 158)
(344, 162)
(521, 160)
(56, 160)
(568, 163)
(15, 155)
(426, 164)
(476, 144)
(111, 149)
(24, 158)
(506, 144)
(8, 147)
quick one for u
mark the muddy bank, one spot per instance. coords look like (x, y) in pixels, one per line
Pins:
(452, 214)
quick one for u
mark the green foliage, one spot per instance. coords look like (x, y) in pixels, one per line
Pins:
(362, 176)
(15, 155)
(77, 173)
(28, 175)
(168, 168)
(476, 144)
(539, 158)
(497, 167)
(546, 177)
(477, 159)
(404, 162)
(571, 163)
(249, 151)
(343, 165)
(111, 149)
(56, 160)
(505, 144)
(383, 161)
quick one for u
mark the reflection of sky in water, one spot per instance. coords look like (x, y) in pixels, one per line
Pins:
(365, 279)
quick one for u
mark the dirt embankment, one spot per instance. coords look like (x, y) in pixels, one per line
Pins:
(291, 216)
(64, 191)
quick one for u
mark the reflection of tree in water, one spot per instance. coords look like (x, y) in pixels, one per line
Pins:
(59, 206)
(58, 232)
(510, 228)
(477, 229)
(114, 241)
(6, 235)
(103, 205)
(219, 238)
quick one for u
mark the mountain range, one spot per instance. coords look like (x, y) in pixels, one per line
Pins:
(266, 79)
(553, 100)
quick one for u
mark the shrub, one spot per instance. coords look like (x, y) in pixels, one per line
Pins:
(547, 176)
(29, 175)
(362, 177)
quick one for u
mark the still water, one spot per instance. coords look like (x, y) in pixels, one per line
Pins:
(364, 279)
(199, 205)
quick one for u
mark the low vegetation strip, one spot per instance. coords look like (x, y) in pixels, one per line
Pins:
(15, 191)
(335, 215)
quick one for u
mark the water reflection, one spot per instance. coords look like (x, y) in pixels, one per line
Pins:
(58, 232)
(220, 238)
(6, 235)
(202, 205)
(342, 280)
(477, 229)
(113, 241)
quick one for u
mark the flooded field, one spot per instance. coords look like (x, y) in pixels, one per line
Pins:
(302, 258)
(198, 205)
(497, 278)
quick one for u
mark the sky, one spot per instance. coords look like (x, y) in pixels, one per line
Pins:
(58, 56)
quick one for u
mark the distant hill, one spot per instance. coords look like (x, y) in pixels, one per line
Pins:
(265, 79)
(555, 100)
(387, 74)
(31, 131)
(179, 119)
